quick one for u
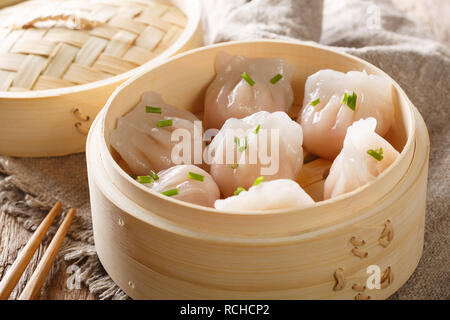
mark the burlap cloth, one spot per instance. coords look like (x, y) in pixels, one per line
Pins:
(374, 31)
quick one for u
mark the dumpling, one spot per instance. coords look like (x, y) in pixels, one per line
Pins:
(263, 144)
(244, 86)
(365, 155)
(185, 182)
(143, 136)
(334, 100)
(276, 194)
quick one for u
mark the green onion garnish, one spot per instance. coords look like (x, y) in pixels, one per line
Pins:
(345, 98)
(196, 176)
(350, 100)
(170, 192)
(241, 146)
(238, 190)
(164, 123)
(247, 78)
(153, 175)
(145, 179)
(315, 102)
(257, 129)
(377, 154)
(276, 79)
(150, 109)
(234, 166)
(258, 180)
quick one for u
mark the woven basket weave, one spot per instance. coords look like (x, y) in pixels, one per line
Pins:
(81, 41)
(80, 50)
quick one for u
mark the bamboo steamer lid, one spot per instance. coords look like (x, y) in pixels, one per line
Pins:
(75, 53)
(83, 41)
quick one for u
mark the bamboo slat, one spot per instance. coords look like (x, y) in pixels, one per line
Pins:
(120, 43)
(83, 43)
(138, 55)
(80, 74)
(10, 40)
(113, 65)
(175, 17)
(11, 61)
(149, 18)
(48, 82)
(29, 71)
(149, 38)
(6, 79)
(61, 61)
(67, 36)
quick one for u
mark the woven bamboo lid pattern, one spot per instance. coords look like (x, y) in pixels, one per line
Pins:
(47, 44)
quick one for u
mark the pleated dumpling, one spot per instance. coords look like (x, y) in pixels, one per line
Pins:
(244, 86)
(263, 144)
(272, 195)
(184, 182)
(365, 155)
(143, 136)
(334, 100)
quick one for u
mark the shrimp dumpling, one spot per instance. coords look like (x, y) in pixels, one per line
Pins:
(266, 86)
(143, 136)
(187, 183)
(365, 155)
(272, 195)
(263, 144)
(334, 100)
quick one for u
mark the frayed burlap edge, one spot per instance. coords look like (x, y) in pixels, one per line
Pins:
(80, 255)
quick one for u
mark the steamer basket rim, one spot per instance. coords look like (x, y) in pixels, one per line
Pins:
(411, 131)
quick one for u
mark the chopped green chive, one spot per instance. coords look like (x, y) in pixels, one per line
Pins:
(247, 78)
(241, 143)
(377, 154)
(345, 98)
(234, 166)
(276, 79)
(315, 102)
(164, 123)
(170, 192)
(145, 179)
(350, 100)
(153, 175)
(257, 129)
(196, 176)
(150, 109)
(258, 180)
(238, 190)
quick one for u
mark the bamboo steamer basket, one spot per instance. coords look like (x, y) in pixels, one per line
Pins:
(156, 247)
(61, 60)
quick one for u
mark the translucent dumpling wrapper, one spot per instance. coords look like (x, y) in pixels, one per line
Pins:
(263, 144)
(365, 155)
(272, 195)
(327, 108)
(232, 96)
(187, 183)
(144, 139)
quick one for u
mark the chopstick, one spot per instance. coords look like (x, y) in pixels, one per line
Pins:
(15, 272)
(38, 277)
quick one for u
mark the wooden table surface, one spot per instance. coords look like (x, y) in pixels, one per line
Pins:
(431, 14)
